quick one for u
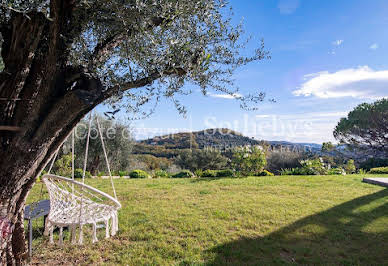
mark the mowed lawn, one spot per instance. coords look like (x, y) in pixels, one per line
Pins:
(255, 220)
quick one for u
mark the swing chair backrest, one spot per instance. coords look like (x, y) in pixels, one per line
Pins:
(76, 191)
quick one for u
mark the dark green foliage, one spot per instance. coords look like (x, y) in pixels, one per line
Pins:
(117, 140)
(152, 162)
(365, 127)
(201, 159)
(209, 173)
(161, 174)
(183, 174)
(379, 170)
(62, 167)
(138, 174)
(225, 173)
(373, 163)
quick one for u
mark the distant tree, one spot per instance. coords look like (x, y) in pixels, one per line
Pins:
(118, 143)
(201, 160)
(327, 147)
(366, 127)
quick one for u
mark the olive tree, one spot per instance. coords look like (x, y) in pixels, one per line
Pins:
(64, 57)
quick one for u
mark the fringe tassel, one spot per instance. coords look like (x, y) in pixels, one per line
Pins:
(73, 234)
(107, 228)
(94, 239)
(113, 227)
(60, 236)
(81, 235)
(51, 232)
(46, 227)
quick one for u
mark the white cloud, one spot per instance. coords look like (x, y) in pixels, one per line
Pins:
(374, 46)
(225, 96)
(362, 82)
(337, 42)
(287, 7)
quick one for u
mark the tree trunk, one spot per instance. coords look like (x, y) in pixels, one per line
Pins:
(45, 98)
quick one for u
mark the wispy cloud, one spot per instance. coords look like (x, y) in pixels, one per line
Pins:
(287, 7)
(362, 82)
(374, 46)
(225, 96)
(338, 42)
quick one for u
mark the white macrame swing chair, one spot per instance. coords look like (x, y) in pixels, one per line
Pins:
(74, 204)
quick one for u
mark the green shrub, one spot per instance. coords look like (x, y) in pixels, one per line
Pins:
(350, 168)
(312, 167)
(138, 174)
(209, 173)
(286, 171)
(161, 174)
(249, 160)
(123, 173)
(79, 172)
(183, 174)
(198, 173)
(361, 171)
(336, 171)
(225, 173)
(264, 173)
(379, 170)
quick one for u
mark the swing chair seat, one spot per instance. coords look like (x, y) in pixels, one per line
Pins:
(74, 204)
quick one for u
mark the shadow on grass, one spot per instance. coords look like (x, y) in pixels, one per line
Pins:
(336, 236)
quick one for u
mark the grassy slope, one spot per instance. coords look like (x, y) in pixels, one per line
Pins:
(255, 220)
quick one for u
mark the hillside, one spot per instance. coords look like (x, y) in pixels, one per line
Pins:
(218, 138)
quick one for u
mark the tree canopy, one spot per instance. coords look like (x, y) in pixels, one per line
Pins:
(130, 44)
(365, 127)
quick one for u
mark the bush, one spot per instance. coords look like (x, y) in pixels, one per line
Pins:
(249, 160)
(198, 173)
(123, 173)
(183, 174)
(350, 168)
(138, 174)
(313, 167)
(161, 174)
(336, 171)
(264, 173)
(79, 172)
(361, 171)
(225, 173)
(209, 173)
(373, 163)
(379, 170)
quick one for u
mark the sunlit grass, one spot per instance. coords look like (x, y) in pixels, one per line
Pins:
(255, 220)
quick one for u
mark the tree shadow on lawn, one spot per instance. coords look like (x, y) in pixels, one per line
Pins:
(335, 236)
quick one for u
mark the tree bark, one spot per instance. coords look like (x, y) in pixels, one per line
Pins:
(53, 97)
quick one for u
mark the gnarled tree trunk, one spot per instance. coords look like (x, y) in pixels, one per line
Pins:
(45, 98)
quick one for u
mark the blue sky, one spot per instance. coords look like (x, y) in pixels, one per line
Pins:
(327, 57)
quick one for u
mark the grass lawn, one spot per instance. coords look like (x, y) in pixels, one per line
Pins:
(255, 220)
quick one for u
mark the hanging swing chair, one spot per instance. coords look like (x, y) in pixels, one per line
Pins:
(74, 204)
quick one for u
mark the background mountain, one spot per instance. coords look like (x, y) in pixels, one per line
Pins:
(217, 138)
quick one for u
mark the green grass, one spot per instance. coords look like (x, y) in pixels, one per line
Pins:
(256, 220)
